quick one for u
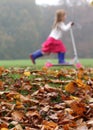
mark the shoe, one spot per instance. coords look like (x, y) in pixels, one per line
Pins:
(31, 57)
(35, 55)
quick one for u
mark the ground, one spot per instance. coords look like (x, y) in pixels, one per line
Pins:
(46, 98)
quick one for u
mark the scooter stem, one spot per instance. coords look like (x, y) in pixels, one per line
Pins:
(74, 46)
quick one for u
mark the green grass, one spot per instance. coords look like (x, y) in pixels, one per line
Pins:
(40, 62)
(24, 63)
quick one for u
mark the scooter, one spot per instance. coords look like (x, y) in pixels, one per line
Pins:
(75, 61)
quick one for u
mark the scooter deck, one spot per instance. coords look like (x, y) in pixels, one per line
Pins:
(66, 64)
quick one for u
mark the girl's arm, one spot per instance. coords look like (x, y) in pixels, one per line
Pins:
(65, 27)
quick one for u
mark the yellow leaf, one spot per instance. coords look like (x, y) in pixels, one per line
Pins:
(80, 73)
(4, 129)
(17, 96)
(82, 85)
(71, 87)
(27, 73)
(75, 98)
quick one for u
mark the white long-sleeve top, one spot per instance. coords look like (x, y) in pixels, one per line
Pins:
(57, 32)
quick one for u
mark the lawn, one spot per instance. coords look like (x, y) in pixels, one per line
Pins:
(40, 62)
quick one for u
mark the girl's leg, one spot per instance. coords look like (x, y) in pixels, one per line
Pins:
(61, 57)
(35, 55)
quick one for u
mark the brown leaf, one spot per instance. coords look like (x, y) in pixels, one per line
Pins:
(18, 127)
(33, 113)
(17, 115)
(82, 126)
(25, 99)
(28, 128)
(19, 105)
(78, 107)
(1, 84)
(54, 117)
(1, 70)
(11, 94)
(49, 125)
(90, 122)
(66, 127)
(26, 86)
(46, 108)
(3, 125)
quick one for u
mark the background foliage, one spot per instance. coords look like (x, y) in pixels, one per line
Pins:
(25, 25)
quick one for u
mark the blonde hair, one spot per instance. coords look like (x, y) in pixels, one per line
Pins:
(59, 16)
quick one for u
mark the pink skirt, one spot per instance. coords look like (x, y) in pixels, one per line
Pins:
(52, 45)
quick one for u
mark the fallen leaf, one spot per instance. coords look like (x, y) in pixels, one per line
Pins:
(82, 126)
(71, 87)
(50, 125)
(1, 70)
(18, 127)
(4, 129)
(78, 107)
(27, 73)
(17, 115)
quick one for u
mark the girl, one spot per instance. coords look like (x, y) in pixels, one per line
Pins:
(53, 44)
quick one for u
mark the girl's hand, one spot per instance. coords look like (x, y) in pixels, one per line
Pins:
(72, 23)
